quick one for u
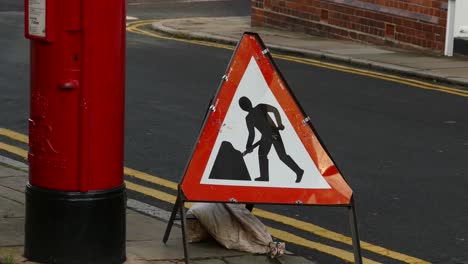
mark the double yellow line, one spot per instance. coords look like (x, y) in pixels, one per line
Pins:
(280, 234)
(136, 27)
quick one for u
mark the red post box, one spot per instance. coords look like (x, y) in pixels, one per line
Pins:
(75, 197)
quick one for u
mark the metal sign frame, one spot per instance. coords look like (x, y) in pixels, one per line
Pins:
(179, 205)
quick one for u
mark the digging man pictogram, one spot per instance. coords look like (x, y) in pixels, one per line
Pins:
(259, 118)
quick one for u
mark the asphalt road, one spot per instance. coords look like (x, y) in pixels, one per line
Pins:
(402, 149)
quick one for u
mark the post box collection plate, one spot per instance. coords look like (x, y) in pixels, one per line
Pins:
(37, 18)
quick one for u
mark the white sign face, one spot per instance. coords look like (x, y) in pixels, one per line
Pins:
(37, 18)
(273, 162)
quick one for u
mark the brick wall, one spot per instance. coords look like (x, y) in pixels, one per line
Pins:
(402, 23)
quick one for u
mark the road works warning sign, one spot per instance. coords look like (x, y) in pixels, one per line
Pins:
(257, 145)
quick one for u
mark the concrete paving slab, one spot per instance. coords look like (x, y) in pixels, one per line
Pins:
(137, 206)
(406, 56)
(17, 183)
(434, 73)
(455, 73)
(173, 250)
(14, 163)
(359, 51)
(10, 208)
(132, 259)
(397, 58)
(8, 172)
(421, 63)
(459, 79)
(12, 232)
(257, 259)
(442, 64)
(226, 26)
(386, 66)
(143, 228)
(128, 211)
(10, 194)
(165, 262)
(291, 259)
(210, 261)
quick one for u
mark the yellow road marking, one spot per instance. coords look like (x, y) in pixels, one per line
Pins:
(291, 238)
(14, 135)
(320, 231)
(15, 150)
(387, 77)
(134, 28)
(150, 178)
(168, 198)
(305, 226)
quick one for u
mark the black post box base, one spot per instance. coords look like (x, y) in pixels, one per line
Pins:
(74, 227)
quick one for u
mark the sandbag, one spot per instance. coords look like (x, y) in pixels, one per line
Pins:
(235, 227)
(195, 231)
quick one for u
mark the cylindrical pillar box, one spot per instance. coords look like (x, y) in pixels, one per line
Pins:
(75, 197)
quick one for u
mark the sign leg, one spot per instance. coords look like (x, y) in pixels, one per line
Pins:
(172, 219)
(355, 233)
(183, 221)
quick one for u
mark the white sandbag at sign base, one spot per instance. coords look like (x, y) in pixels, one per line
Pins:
(234, 227)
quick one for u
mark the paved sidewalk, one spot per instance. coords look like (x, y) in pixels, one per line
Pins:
(144, 233)
(452, 70)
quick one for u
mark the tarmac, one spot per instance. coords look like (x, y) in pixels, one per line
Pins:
(145, 228)
(411, 63)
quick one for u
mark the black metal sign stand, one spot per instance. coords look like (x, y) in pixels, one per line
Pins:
(354, 231)
(180, 206)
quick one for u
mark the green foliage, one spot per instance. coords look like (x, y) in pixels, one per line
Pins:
(8, 259)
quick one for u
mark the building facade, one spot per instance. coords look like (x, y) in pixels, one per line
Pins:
(416, 24)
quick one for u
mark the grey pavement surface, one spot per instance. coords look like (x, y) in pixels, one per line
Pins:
(452, 70)
(144, 233)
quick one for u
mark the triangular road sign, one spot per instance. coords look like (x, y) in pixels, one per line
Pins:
(257, 145)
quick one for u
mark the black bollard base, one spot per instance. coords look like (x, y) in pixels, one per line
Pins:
(74, 227)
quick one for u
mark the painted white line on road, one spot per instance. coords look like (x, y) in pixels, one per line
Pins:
(131, 18)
